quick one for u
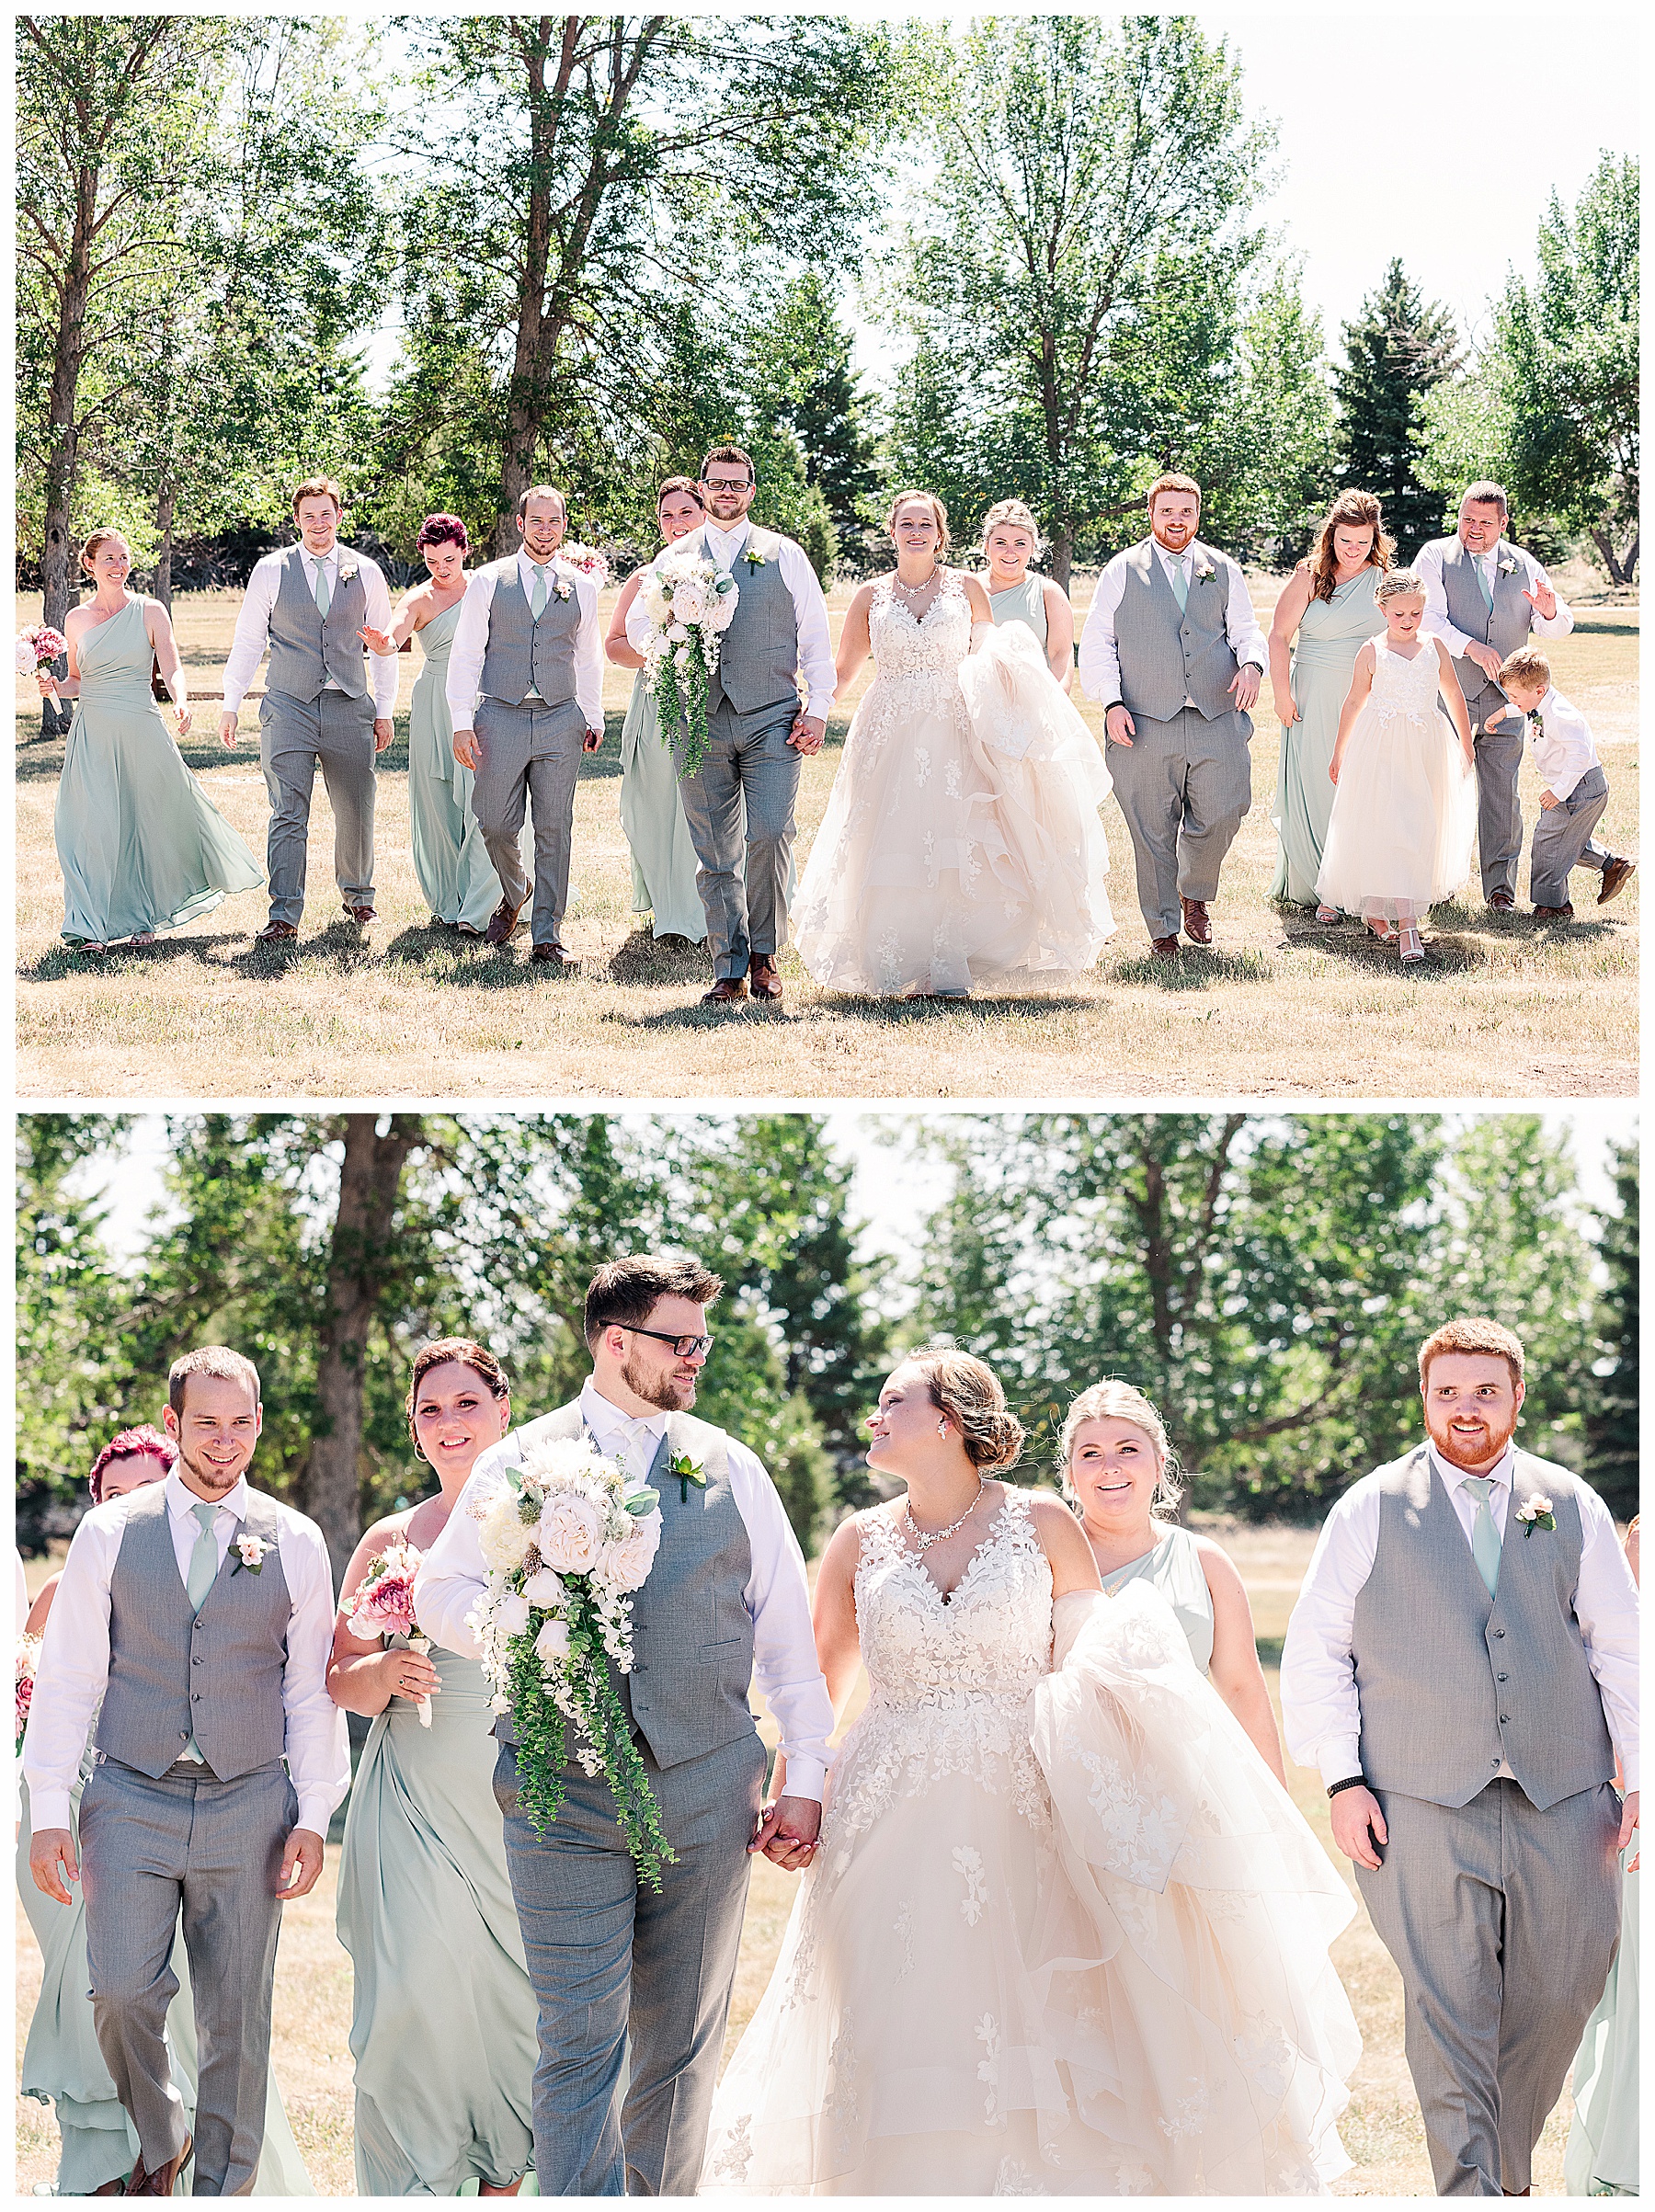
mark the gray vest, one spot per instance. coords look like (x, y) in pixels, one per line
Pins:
(215, 1674)
(758, 655)
(306, 650)
(524, 656)
(692, 1636)
(1167, 654)
(1452, 1681)
(1505, 626)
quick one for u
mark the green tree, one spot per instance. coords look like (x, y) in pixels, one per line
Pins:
(802, 356)
(1396, 349)
(1612, 1395)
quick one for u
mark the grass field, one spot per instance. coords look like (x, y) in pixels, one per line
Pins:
(1381, 2127)
(1279, 1007)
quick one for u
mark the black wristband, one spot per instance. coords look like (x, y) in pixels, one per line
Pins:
(1350, 1782)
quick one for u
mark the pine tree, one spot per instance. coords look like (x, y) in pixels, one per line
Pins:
(1612, 1420)
(1395, 350)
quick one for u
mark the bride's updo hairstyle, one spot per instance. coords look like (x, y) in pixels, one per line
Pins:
(968, 1391)
(937, 508)
(1399, 584)
(466, 1352)
(1116, 1400)
(1020, 516)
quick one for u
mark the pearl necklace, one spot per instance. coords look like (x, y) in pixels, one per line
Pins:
(925, 1538)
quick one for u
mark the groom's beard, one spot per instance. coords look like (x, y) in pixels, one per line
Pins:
(665, 1391)
(1469, 1451)
(215, 1480)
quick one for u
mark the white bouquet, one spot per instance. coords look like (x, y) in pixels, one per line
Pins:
(689, 601)
(565, 1546)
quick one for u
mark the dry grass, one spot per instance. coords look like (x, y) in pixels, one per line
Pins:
(1280, 1007)
(1381, 2128)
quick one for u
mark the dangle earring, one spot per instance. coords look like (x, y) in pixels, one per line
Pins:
(941, 1428)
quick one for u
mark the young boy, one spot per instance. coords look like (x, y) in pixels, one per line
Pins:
(1575, 793)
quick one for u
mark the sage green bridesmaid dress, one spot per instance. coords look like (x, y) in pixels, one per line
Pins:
(652, 815)
(1173, 1567)
(1601, 2156)
(1331, 634)
(451, 860)
(1025, 602)
(63, 2065)
(443, 2016)
(140, 845)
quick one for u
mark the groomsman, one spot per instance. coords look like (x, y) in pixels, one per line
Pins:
(325, 705)
(201, 1614)
(1173, 650)
(1462, 1666)
(528, 641)
(1483, 596)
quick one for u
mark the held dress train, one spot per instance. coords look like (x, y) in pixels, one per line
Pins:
(1065, 1935)
(961, 840)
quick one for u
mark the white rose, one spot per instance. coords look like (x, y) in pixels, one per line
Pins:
(626, 1562)
(682, 656)
(687, 603)
(502, 1536)
(553, 1642)
(569, 1533)
(721, 612)
(513, 1615)
(676, 633)
(543, 1589)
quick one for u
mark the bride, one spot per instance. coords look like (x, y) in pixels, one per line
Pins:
(1063, 1932)
(962, 838)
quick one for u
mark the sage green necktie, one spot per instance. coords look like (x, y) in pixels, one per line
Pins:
(1485, 1536)
(203, 1573)
(1180, 583)
(538, 605)
(323, 601)
(1483, 586)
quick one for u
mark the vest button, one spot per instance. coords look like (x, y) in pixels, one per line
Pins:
(1505, 1720)
(196, 1661)
(1495, 1765)
(183, 1735)
(1498, 1678)
(195, 1697)
(1500, 1631)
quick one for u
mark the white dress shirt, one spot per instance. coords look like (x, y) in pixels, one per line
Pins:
(74, 1658)
(471, 637)
(1428, 567)
(453, 1575)
(1562, 746)
(253, 624)
(1100, 662)
(1319, 1704)
(810, 610)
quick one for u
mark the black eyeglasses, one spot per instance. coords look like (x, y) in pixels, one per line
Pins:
(686, 1348)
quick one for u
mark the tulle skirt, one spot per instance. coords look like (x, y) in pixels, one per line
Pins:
(1404, 819)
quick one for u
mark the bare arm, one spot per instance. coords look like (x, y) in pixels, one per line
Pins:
(854, 647)
(1060, 634)
(64, 686)
(1063, 1543)
(1237, 1674)
(1361, 683)
(839, 1647)
(614, 645)
(976, 598)
(157, 625)
(1289, 614)
(364, 1677)
(35, 1623)
(1454, 698)
(413, 612)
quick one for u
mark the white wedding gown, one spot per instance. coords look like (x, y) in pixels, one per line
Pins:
(1066, 1933)
(961, 840)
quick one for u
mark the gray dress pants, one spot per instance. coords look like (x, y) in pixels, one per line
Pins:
(213, 1850)
(1499, 816)
(610, 1961)
(1185, 787)
(1563, 840)
(296, 736)
(531, 752)
(1503, 1922)
(743, 874)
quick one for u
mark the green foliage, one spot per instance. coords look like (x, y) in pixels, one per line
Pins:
(1611, 1423)
(1397, 347)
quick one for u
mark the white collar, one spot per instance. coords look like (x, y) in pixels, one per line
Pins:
(604, 1417)
(730, 537)
(1502, 1471)
(1188, 554)
(182, 1501)
(321, 560)
(1549, 703)
(525, 560)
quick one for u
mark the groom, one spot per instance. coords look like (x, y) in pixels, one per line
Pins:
(1461, 1660)
(622, 1974)
(195, 1618)
(1172, 648)
(757, 730)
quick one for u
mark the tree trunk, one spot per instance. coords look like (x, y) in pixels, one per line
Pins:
(164, 503)
(1621, 571)
(370, 1182)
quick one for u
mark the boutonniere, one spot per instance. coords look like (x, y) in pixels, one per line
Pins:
(251, 1551)
(1537, 1512)
(1505, 568)
(348, 569)
(687, 1471)
(1205, 573)
(561, 587)
(753, 557)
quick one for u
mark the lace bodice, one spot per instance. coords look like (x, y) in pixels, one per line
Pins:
(1404, 688)
(933, 645)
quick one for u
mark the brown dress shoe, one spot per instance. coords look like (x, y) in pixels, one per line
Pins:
(1615, 879)
(726, 989)
(1165, 948)
(1198, 927)
(555, 956)
(1563, 913)
(763, 979)
(1502, 902)
(276, 933)
(362, 916)
(503, 921)
(160, 2183)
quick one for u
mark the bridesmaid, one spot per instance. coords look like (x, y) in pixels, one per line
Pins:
(450, 858)
(443, 2018)
(140, 845)
(61, 2061)
(1329, 602)
(1601, 2156)
(1116, 1472)
(1011, 541)
(652, 812)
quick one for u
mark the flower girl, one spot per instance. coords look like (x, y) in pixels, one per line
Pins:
(1405, 798)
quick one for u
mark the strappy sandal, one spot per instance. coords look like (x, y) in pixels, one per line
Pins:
(142, 941)
(1326, 915)
(1414, 951)
(1381, 930)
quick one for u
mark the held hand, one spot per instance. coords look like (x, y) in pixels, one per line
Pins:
(1120, 726)
(1485, 657)
(1494, 720)
(408, 1674)
(377, 641)
(1548, 799)
(468, 748)
(787, 1832)
(1628, 1828)
(50, 1848)
(48, 683)
(1245, 685)
(1544, 601)
(1355, 1813)
(227, 721)
(382, 733)
(300, 1865)
(806, 735)
(592, 741)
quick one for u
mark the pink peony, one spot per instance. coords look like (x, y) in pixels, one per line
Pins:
(569, 1535)
(384, 1608)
